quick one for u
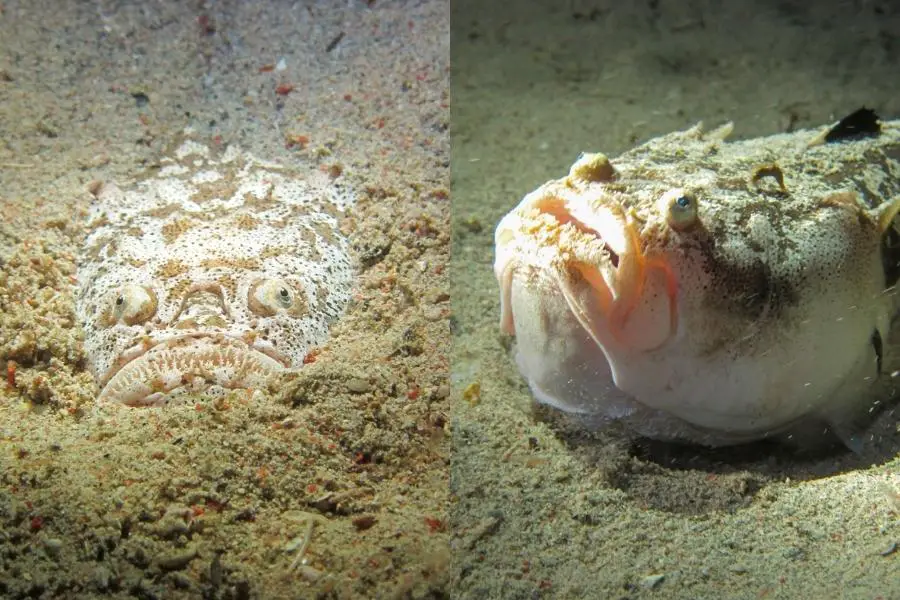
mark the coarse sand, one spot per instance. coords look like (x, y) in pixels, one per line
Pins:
(543, 509)
(333, 483)
(336, 482)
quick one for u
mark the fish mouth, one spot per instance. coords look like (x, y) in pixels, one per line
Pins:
(589, 246)
(150, 374)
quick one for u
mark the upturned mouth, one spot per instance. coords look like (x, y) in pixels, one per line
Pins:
(191, 363)
(590, 246)
(596, 243)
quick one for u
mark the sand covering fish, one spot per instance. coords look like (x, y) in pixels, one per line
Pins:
(709, 291)
(211, 272)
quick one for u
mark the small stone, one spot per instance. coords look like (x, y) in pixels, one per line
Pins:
(358, 385)
(52, 547)
(651, 582)
(432, 313)
(472, 393)
(364, 522)
(309, 573)
(175, 562)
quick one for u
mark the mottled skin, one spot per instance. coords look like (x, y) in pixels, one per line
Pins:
(707, 291)
(210, 274)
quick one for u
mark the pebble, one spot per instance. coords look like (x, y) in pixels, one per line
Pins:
(432, 313)
(651, 582)
(174, 562)
(358, 385)
(52, 546)
(364, 522)
(309, 573)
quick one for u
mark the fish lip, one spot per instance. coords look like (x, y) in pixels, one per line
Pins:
(603, 218)
(148, 345)
(580, 236)
(599, 216)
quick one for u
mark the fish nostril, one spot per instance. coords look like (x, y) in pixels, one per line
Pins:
(201, 301)
(202, 298)
(208, 288)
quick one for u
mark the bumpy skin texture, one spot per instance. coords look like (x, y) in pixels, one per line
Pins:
(209, 274)
(707, 291)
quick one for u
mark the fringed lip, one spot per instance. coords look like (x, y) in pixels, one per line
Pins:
(192, 361)
(147, 344)
(590, 245)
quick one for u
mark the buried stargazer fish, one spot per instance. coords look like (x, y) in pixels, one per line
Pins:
(210, 274)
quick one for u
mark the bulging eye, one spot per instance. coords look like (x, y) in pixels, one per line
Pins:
(131, 304)
(268, 297)
(681, 209)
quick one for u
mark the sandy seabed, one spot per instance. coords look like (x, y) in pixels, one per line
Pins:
(336, 482)
(332, 484)
(542, 509)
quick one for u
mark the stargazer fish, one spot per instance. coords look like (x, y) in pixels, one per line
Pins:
(712, 292)
(210, 274)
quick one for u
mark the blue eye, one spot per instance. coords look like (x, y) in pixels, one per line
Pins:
(683, 201)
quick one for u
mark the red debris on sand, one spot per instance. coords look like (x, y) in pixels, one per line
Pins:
(301, 141)
(434, 525)
(37, 522)
(10, 374)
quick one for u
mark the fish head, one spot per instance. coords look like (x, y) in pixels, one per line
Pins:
(653, 289)
(209, 275)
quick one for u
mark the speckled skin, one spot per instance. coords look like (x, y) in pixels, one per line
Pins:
(209, 274)
(680, 287)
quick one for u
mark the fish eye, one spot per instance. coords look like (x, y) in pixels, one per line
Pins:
(134, 304)
(268, 297)
(681, 209)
